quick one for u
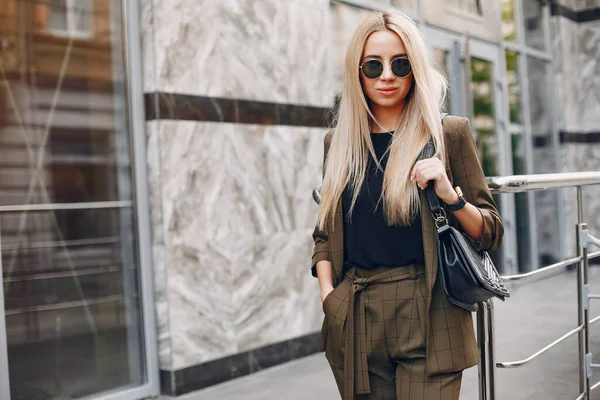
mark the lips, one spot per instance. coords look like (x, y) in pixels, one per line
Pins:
(387, 91)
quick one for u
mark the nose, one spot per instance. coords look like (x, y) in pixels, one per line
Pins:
(387, 73)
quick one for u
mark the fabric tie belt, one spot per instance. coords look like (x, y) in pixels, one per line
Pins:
(355, 358)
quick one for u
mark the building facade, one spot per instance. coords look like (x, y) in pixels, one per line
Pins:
(157, 160)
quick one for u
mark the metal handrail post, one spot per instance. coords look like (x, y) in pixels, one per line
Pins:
(491, 347)
(482, 340)
(580, 314)
(586, 314)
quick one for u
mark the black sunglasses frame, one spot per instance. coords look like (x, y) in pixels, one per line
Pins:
(391, 65)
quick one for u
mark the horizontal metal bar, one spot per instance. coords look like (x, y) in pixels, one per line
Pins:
(93, 205)
(593, 255)
(65, 274)
(524, 183)
(589, 239)
(64, 306)
(595, 386)
(595, 320)
(513, 278)
(64, 243)
(520, 363)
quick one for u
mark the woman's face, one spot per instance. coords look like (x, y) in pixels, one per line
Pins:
(387, 90)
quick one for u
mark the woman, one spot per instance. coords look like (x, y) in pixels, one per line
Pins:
(389, 332)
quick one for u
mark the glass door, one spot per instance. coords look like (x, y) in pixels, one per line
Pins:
(72, 323)
(476, 90)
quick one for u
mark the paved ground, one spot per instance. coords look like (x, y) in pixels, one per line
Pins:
(537, 313)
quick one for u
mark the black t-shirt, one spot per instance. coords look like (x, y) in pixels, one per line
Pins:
(369, 242)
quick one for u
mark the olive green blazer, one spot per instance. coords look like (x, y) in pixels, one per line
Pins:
(451, 344)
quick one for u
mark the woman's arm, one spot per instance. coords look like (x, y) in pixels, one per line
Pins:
(468, 174)
(479, 218)
(321, 260)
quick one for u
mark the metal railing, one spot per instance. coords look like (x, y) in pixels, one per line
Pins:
(485, 313)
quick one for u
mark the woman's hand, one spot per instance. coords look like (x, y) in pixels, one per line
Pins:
(432, 169)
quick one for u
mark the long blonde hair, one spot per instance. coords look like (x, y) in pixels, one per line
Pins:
(351, 144)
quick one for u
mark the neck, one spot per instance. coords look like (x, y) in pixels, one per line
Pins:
(387, 117)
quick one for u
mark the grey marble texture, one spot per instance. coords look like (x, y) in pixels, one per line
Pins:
(589, 101)
(344, 21)
(577, 84)
(238, 215)
(147, 26)
(161, 300)
(258, 50)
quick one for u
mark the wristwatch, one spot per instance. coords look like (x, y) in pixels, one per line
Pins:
(461, 201)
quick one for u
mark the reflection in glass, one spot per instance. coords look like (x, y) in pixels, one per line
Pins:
(535, 24)
(440, 60)
(469, 6)
(518, 159)
(509, 20)
(70, 275)
(514, 88)
(484, 127)
(482, 85)
(544, 159)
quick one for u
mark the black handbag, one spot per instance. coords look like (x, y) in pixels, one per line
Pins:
(467, 276)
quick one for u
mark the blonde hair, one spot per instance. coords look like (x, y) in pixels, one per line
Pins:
(351, 144)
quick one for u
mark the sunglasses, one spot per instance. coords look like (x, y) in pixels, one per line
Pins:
(374, 68)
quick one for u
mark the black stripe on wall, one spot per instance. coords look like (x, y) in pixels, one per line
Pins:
(579, 137)
(186, 380)
(567, 137)
(591, 14)
(171, 106)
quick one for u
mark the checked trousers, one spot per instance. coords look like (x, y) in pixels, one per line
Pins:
(376, 329)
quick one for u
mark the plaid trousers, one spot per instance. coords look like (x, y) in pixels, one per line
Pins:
(376, 337)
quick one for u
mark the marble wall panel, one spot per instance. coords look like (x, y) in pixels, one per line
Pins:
(589, 96)
(148, 44)
(345, 19)
(587, 4)
(238, 217)
(155, 190)
(267, 50)
(571, 84)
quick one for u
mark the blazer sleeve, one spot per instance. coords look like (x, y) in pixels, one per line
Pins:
(320, 237)
(468, 174)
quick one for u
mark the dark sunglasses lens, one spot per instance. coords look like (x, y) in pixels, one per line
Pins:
(401, 67)
(372, 69)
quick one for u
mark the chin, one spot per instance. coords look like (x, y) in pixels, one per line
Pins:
(388, 102)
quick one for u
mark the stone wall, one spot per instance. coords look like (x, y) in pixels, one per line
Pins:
(230, 202)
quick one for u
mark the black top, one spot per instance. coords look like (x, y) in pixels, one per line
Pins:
(368, 240)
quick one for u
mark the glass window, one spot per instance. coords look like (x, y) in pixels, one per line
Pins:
(70, 17)
(514, 88)
(518, 159)
(70, 268)
(469, 6)
(546, 202)
(58, 15)
(535, 24)
(440, 59)
(509, 20)
(483, 114)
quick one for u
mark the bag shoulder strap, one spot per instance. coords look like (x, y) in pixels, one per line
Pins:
(432, 198)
